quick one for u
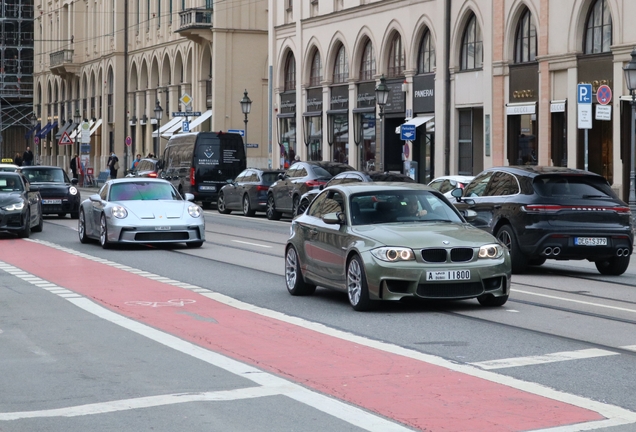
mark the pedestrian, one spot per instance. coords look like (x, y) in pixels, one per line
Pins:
(17, 159)
(27, 157)
(76, 166)
(135, 162)
(113, 165)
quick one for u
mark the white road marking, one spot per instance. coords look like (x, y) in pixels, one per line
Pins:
(512, 310)
(575, 301)
(542, 359)
(251, 244)
(629, 347)
(614, 415)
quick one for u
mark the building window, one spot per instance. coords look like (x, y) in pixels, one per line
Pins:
(290, 73)
(472, 46)
(426, 56)
(396, 57)
(526, 40)
(316, 66)
(367, 66)
(465, 148)
(341, 67)
(598, 38)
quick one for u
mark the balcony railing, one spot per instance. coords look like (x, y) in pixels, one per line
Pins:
(196, 23)
(61, 63)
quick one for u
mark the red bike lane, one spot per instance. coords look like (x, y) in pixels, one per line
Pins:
(416, 393)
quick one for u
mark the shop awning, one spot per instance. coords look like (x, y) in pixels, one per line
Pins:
(521, 108)
(419, 121)
(46, 129)
(173, 121)
(35, 129)
(203, 117)
(96, 126)
(63, 129)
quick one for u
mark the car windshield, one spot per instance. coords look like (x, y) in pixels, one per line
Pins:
(10, 184)
(143, 191)
(46, 175)
(332, 168)
(404, 206)
(572, 187)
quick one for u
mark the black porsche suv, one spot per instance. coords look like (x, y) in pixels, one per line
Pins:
(554, 213)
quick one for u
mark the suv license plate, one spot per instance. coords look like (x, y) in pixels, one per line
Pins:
(51, 201)
(442, 275)
(207, 188)
(590, 241)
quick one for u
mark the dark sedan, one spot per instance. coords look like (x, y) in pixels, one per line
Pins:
(147, 167)
(551, 213)
(60, 194)
(352, 177)
(247, 192)
(20, 205)
(284, 195)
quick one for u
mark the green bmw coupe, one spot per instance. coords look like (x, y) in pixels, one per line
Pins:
(388, 241)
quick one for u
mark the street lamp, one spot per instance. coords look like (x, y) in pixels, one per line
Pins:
(77, 119)
(630, 78)
(246, 106)
(381, 97)
(158, 116)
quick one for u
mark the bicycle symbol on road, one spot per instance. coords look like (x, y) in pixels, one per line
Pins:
(174, 302)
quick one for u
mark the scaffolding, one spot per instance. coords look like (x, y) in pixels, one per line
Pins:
(16, 76)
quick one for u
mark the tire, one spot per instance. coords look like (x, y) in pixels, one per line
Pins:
(490, 300)
(357, 288)
(194, 244)
(247, 207)
(81, 227)
(615, 266)
(220, 205)
(26, 232)
(507, 236)
(40, 225)
(295, 205)
(75, 215)
(272, 214)
(537, 261)
(302, 207)
(103, 233)
(294, 279)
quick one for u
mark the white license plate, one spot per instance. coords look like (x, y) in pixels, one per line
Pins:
(51, 201)
(442, 275)
(163, 228)
(207, 188)
(590, 241)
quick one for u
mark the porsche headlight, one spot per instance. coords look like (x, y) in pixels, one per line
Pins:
(393, 254)
(72, 190)
(119, 212)
(14, 207)
(491, 251)
(194, 210)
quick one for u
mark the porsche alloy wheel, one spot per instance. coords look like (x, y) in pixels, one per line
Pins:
(103, 233)
(81, 227)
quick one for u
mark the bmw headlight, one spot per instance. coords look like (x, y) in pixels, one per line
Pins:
(14, 207)
(491, 251)
(392, 254)
(194, 211)
(119, 212)
(72, 190)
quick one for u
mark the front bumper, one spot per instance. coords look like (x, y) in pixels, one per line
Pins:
(12, 221)
(156, 234)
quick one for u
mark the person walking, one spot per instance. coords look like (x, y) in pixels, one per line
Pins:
(76, 166)
(113, 165)
(17, 159)
(135, 162)
(27, 157)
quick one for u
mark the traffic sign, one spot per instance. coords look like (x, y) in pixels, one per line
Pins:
(36, 140)
(185, 126)
(407, 132)
(584, 94)
(186, 99)
(128, 141)
(604, 94)
(241, 132)
(584, 105)
(85, 136)
(186, 113)
(65, 139)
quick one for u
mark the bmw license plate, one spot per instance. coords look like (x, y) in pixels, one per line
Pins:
(51, 201)
(590, 241)
(162, 228)
(442, 275)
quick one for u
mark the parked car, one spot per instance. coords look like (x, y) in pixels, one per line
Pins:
(247, 192)
(8, 167)
(554, 213)
(60, 194)
(20, 205)
(446, 184)
(147, 167)
(284, 195)
(381, 241)
(134, 210)
(201, 163)
(352, 177)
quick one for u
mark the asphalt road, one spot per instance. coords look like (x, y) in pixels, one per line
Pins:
(566, 337)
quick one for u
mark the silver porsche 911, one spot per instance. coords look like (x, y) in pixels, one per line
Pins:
(141, 210)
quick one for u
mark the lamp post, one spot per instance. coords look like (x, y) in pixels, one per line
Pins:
(381, 97)
(158, 116)
(630, 79)
(246, 107)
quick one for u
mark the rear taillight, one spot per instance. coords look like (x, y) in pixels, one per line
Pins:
(314, 183)
(192, 176)
(261, 188)
(154, 175)
(546, 208)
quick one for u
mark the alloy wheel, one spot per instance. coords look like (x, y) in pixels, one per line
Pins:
(354, 282)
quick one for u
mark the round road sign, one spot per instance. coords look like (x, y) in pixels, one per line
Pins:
(128, 140)
(36, 140)
(604, 95)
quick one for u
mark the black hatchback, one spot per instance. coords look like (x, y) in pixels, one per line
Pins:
(556, 213)
(60, 194)
(247, 192)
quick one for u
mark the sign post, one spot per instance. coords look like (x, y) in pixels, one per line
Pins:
(584, 105)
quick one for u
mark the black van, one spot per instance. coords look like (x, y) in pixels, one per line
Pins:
(201, 163)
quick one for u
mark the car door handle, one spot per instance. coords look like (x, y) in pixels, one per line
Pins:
(313, 233)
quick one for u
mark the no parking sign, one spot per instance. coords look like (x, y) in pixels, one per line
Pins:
(604, 94)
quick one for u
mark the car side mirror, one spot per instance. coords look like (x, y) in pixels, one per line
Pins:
(457, 193)
(281, 176)
(74, 181)
(469, 214)
(95, 198)
(162, 175)
(190, 197)
(334, 218)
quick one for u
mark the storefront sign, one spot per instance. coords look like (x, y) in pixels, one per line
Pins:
(512, 109)
(366, 95)
(314, 100)
(424, 93)
(557, 106)
(288, 103)
(339, 98)
(397, 101)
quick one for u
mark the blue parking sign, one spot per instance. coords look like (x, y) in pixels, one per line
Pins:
(407, 132)
(185, 126)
